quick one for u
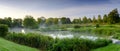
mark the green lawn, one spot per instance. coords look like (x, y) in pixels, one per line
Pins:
(6, 45)
(111, 47)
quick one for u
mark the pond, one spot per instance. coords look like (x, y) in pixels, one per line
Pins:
(63, 34)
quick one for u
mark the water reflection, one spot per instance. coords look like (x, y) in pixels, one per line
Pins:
(63, 34)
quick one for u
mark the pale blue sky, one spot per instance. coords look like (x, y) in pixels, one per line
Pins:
(56, 8)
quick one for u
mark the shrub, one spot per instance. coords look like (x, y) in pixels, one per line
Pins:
(76, 44)
(31, 39)
(3, 30)
(76, 26)
(97, 25)
(49, 44)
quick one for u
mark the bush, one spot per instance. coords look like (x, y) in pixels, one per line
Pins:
(3, 30)
(76, 44)
(97, 25)
(49, 44)
(76, 26)
(31, 39)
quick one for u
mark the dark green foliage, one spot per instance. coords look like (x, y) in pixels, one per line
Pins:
(41, 20)
(94, 20)
(76, 44)
(85, 20)
(76, 21)
(33, 40)
(30, 22)
(6, 21)
(113, 17)
(101, 43)
(65, 20)
(105, 18)
(89, 20)
(76, 26)
(97, 25)
(99, 19)
(50, 44)
(17, 23)
(3, 30)
(49, 21)
(55, 21)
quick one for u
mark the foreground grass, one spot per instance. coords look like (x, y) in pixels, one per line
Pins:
(10, 46)
(111, 47)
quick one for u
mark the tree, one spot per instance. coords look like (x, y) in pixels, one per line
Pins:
(80, 21)
(49, 21)
(30, 22)
(89, 20)
(99, 19)
(6, 21)
(17, 23)
(105, 18)
(3, 30)
(85, 20)
(41, 20)
(94, 20)
(113, 17)
(68, 20)
(63, 20)
(55, 20)
(2, 21)
(76, 21)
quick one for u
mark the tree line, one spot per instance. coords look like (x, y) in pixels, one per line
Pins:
(29, 22)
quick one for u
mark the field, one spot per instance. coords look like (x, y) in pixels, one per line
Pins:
(10, 46)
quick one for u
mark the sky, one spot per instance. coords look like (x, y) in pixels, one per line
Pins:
(56, 8)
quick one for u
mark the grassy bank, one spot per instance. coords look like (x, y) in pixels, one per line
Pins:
(10, 46)
(105, 30)
(111, 47)
(47, 43)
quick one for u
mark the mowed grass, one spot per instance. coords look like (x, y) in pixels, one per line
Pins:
(6, 45)
(111, 47)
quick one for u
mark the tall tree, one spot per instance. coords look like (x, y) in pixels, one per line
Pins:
(99, 19)
(17, 23)
(105, 18)
(49, 21)
(41, 20)
(63, 20)
(7, 21)
(94, 20)
(113, 17)
(89, 20)
(85, 20)
(76, 21)
(68, 20)
(55, 21)
(30, 22)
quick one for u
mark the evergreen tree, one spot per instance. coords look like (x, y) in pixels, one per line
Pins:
(68, 20)
(99, 19)
(94, 20)
(63, 20)
(113, 17)
(85, 20)
(89, 20)
(105, 18)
